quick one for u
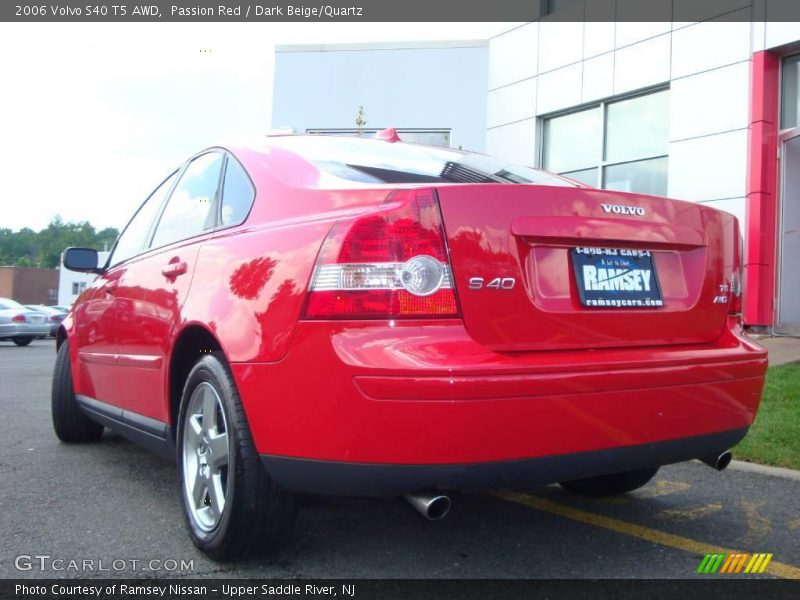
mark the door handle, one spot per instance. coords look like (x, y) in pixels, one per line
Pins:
(174, 268)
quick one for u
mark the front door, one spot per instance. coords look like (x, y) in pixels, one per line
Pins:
(788, 321)
(153, 289)
(96, 336)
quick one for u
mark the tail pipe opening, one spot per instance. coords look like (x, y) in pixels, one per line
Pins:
(719, 461)
(430, 504)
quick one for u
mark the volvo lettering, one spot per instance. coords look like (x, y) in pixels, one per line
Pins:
(618, 209)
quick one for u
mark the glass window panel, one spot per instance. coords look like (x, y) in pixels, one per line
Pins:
(643, 176)
(790, 92)
(587, 176)
(237, 193)
(134, 237)
(573, 142)
(188, 209)
(637, 127)
(558, 5)
(352, 159)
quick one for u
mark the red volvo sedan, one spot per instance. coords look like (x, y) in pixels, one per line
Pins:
(323, 315)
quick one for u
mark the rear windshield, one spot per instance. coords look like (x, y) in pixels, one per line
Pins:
(374, 161)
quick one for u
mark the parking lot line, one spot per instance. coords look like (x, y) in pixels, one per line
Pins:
(689, 514)
(645, 533)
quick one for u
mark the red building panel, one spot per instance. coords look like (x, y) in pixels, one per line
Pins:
(762, 200)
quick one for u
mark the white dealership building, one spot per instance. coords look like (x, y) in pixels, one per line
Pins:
(702, 111)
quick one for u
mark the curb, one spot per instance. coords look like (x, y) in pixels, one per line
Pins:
(748, 467)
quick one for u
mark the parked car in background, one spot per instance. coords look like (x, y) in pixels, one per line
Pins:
(64, 309)
(21, 324)
(329, 315)
(53, 314)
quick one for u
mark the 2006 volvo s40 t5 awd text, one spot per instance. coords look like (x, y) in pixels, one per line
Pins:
(322, 315)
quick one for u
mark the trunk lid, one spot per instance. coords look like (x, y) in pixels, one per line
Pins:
(528, 233)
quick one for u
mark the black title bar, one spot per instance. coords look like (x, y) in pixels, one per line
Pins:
(396, 10)
(402, 589)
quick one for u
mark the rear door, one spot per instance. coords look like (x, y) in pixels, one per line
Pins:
(543, 267)
(153, 289)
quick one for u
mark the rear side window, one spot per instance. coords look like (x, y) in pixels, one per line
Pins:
(189, 208)
(133, 238)
(237, 193)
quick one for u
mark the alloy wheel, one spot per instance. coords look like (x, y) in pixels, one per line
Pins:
(205, 457)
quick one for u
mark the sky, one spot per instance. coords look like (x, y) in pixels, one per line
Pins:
(94, 115)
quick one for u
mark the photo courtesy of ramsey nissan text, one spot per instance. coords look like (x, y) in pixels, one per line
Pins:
(400, 300)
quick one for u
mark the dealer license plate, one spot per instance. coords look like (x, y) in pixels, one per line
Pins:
(616, 278)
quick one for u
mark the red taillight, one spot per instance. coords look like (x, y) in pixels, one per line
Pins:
(55, 318)
(19, 319)
(392, 263)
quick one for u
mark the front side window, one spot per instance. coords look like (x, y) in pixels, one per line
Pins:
(189, 208)
(619, 145)
(237, 193)
(133, 238)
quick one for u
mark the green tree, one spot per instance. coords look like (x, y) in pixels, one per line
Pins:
(43, 249)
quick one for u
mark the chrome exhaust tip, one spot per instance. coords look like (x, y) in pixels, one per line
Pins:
(719, 462)
(431, 505)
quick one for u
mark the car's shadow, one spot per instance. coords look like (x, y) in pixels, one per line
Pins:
(483, 536)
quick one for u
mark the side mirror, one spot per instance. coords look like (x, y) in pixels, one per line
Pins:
(83, 260)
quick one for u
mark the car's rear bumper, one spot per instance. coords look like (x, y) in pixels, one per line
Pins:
(424, 394)
(307, 476)
(9, 330)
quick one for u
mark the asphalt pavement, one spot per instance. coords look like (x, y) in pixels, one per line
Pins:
(117, 506)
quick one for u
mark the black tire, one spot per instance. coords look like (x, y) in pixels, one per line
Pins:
(69, 422)
(22, 340)
(257, 513)
(611, 485)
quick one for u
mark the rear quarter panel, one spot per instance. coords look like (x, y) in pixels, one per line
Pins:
(250, 283)
(249, 287)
